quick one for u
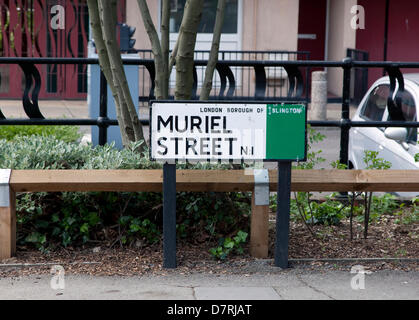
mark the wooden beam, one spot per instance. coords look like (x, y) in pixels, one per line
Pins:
(211, 180)
(259, 230)
(8, 229)
(128, 180)
(354, 180)
(86, 180)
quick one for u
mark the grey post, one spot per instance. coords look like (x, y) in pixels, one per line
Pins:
(261, 177)
(4, 187)
(319, 95)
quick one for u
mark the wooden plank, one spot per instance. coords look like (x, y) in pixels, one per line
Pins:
(259, 230)
(354, 180)
(86, 180)
(127, 180)
(8, 229)
(211, 180)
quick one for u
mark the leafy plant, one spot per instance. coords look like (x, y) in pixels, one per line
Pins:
(407, 216)
(211, 214)
(136, 228)
(385, 204)
(313, 157)
(329, 212)
(372, 162)
(228, 245)
(338, 165)
(302, 205)
(46, 220)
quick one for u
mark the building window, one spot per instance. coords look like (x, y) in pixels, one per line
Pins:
(208, 16)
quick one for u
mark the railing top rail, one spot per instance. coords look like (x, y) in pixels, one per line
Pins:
(241, 51)
(235, 63)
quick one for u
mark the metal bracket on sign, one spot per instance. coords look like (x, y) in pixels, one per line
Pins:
(261, 187)
(4, 187)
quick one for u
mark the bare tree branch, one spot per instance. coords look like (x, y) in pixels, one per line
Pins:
(155, 47)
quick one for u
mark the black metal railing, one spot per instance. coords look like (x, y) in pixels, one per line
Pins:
(295, 91)
(359, 79)
(241, 78)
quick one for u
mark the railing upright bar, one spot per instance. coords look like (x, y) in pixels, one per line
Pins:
(345, 117)
(103, 111)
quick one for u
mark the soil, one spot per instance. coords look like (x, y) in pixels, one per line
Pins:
(386, 239)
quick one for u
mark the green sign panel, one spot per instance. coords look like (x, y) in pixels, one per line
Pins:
(285, 132)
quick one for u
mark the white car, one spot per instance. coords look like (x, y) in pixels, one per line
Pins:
(397, 145)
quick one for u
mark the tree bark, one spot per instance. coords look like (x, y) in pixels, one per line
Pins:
(104, 62)
(161, 83)
(213, 58)
(132, 126)
(165, 43)
(185, 55)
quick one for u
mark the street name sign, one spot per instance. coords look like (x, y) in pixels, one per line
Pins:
(203, 131)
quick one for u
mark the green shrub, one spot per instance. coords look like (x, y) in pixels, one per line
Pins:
(39, 152)
(46, 220)
(64, 133)
(408, 215)
(228, 245)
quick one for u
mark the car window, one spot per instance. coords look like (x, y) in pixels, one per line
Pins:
(409, 112)
(376, 103)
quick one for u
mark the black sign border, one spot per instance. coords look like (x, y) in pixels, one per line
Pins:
(231, 102)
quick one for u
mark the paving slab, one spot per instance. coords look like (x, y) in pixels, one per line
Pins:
(236, 293)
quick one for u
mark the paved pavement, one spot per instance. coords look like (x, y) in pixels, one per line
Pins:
(49, 108)
(297, 283)
(52, 109)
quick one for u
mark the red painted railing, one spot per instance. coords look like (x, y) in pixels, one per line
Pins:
(25, 31)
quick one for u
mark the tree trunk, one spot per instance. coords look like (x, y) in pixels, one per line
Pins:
(103, 21)
(185, 55)
(213, 58)
(104, 62)
(165, 43)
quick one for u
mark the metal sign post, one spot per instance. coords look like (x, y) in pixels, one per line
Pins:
(228, 131)
(169, 215)
(283, 214)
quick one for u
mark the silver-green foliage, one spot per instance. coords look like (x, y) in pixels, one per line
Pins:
(38, 152)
